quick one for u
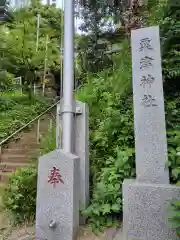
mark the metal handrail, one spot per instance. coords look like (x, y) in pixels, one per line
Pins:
(26, 125)
(36, 118)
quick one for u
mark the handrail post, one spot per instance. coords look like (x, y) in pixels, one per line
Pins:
(38, 130)
(34, 89)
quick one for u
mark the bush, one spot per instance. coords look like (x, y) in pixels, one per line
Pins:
(6, 104)
(170, 30)
(20, 194)
(6, 81)
(109, 98)
(174, 216)
(106, 204)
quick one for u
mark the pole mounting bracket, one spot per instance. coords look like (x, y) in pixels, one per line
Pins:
(77, 112)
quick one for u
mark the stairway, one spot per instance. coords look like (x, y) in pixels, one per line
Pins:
(19, 153)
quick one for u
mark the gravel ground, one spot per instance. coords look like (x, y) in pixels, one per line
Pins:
(28, 233)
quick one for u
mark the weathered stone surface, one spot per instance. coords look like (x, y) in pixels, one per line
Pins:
(149, 117)
(145, 211)
(60, 201)
(81, 148)
(82, 151)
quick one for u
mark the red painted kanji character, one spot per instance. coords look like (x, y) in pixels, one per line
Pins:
(55, 177)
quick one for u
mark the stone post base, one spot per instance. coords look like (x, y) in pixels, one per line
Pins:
(57, 208)
(145, 210)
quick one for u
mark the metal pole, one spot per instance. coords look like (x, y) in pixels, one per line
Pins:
(45, 63)
(68, 77)
(37, 35)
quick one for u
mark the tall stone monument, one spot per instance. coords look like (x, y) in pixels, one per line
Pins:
(146, 199)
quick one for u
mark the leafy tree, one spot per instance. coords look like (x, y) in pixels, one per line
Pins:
(18, 41)
(170, 31)
(97, 19)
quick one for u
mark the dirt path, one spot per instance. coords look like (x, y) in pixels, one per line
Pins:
(28, 233)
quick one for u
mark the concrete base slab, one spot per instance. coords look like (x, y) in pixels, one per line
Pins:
(57, 208)
(145, 211)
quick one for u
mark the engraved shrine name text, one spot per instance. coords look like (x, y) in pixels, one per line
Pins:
(147, 79)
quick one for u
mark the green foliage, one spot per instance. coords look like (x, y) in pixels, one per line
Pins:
(97, 19)
(109, 96)
(172, 107)
(6, 82)
(106, 204)
(6, 104)
(19, 55)
(174, 215)
(112, 157)
(170, 32)
(15, 112)
(20, 195)
(173, 123)
(22, 187)
(48, 143)
(111, 138)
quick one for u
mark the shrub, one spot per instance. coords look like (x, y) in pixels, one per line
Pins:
(170, 30)
(6, 104)
(109, 98)
(6, 80)
(20, 194)
(106, 204)
(174, 216)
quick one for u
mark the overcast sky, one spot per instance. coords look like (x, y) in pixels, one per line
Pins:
(59, 3)
(77, 21)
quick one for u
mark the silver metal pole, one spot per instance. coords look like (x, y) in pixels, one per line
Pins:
(37, 34)
(68, 78)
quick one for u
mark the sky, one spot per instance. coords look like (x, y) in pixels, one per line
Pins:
(59, 3)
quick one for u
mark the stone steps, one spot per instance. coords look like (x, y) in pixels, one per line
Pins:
(19, 153)
(14, 157)
(4, 176)
(10, 167)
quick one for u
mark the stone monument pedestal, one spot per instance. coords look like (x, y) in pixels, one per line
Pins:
(57, 208)
(145, 210)
(146, 199)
